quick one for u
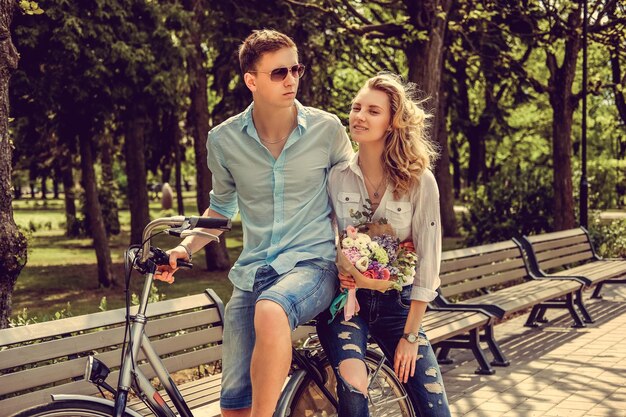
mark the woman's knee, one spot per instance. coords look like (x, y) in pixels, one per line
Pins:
(354, 374)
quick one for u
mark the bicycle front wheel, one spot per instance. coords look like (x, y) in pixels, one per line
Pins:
(69, 408)
(386, 396)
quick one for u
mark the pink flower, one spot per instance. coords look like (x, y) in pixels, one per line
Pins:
(351, 231)
(370, 274)
(385, 274)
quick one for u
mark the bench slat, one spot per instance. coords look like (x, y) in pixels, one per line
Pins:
(555, 235)
(458, 264)
(554, 263)
(597, 271)
(512, 264)
(477, 250)
(561, 243)
(483, 282)
(519, 297)
(60, 371)
(459, 326)
(91, 321)
(569, 250)
(92, 341)
(193, 359)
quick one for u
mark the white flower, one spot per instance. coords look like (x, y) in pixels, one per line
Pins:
(362, 237)
(348, 242)
(362, 264)
(373, 245)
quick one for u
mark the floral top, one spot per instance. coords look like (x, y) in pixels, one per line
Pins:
(414, 216)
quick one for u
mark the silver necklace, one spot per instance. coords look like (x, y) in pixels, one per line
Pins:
(376, 189)
(274, 142)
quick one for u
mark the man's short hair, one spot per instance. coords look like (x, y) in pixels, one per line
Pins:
(260, 42)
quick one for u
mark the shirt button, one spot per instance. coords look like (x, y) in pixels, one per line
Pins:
(399, 209)
(347, 198)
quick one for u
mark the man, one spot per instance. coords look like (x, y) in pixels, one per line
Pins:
(271, 163)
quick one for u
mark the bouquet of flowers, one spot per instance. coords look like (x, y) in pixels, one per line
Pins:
(376, 259)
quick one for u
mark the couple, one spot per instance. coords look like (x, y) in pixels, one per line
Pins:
(284, 166)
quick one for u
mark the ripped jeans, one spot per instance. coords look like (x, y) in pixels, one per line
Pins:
(384, 316)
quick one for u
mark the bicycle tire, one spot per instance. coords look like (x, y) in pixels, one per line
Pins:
(387, 396)
(69, 408)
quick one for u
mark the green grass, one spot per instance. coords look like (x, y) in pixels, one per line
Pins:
(62, 270)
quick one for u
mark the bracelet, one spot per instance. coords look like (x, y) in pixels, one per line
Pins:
(182, 245)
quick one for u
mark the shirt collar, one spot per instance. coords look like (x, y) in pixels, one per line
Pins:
(246, 119)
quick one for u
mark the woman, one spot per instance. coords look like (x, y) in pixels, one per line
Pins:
(392, 171)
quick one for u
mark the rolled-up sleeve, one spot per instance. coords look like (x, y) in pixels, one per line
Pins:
(426, 233)
(223, 195)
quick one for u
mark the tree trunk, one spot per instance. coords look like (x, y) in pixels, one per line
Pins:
(13, 255)
(92, 205)
(442, 168)
(44, 188)
(425, 60)
(72, 228)
(216, 255)
(108, 194)
(563, 104)
(178, 173)
(136, 174)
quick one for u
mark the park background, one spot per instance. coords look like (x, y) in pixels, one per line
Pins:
(109, 97)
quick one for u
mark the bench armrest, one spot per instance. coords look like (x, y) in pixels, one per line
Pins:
(490, 310)
(461, 308)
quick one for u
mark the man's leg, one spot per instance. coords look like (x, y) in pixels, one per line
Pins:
(271, 357)
(297, 297)
(236, 395)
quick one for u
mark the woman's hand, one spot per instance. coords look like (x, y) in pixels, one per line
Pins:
(404, 359)
(166, 272)
(346, 281)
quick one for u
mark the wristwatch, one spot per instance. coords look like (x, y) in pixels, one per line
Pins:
(410, 337)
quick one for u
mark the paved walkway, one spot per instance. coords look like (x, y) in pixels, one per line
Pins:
(555, 370)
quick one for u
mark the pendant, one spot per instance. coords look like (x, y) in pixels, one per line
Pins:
(376, 194)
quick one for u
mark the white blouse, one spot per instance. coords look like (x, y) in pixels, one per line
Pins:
(414, 215)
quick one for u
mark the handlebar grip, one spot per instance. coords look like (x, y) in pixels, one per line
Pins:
(210, 223)
(183, 264)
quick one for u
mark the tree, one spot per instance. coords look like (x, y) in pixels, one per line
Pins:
(13, 254)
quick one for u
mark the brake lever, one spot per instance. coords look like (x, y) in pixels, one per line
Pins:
(211, 236)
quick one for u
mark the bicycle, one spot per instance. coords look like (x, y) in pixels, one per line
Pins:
(309, 391)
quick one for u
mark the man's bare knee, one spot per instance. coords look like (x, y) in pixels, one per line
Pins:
(354, 374)
(269, 316)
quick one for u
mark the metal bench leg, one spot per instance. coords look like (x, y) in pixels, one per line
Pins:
(596, 291)
(498, 355)
(442, 356)
(581, 306)
(541, 317)
(532, 317)
(570, 306)
(474, 344)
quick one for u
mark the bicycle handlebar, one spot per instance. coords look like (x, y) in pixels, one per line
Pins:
(180, 221)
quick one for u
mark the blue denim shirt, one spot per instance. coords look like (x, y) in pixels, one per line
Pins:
(284, 206)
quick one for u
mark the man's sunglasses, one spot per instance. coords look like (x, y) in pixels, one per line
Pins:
(279, 74)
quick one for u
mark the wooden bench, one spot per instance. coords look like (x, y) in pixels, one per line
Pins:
(457, 329)
(571, 253)
(49, 358)
(495, 279)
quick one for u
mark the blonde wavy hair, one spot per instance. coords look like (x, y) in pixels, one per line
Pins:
(408, 151)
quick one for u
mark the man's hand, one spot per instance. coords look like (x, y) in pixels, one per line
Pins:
(166, 272)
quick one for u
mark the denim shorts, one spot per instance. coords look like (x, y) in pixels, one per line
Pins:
(303, 293)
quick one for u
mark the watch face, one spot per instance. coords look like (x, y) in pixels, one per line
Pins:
(411, 337)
